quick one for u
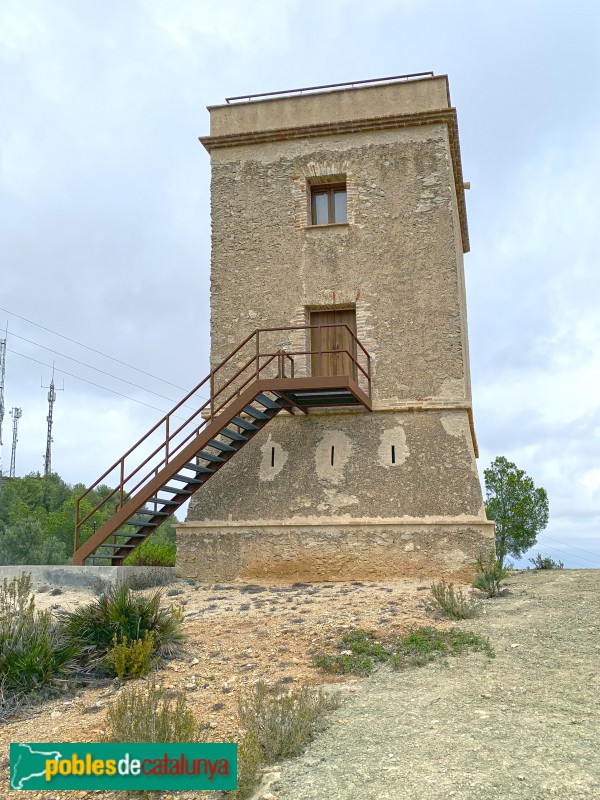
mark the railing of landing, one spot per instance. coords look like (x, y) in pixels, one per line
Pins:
(351, 84)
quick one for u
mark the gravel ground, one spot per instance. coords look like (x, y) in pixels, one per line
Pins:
(235, 634)
(523, 725)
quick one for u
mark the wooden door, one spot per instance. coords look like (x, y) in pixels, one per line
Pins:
(331, 346)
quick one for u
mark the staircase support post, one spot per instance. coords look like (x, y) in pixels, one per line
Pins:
(76, 539)
(257, 354)
(121, 495)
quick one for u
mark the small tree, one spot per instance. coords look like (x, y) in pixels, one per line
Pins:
(518, 508)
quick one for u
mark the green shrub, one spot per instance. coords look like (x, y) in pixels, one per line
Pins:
(490, 574)
(148, 714)
(282, 720)
(120, 613)
(130, 659)
(423, 645)
(452, 603)
(152, 554)
(33, 650)
(360, 653)
(545, 562)
(416, 649)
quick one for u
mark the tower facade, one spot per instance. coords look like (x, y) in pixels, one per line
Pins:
(332, 209)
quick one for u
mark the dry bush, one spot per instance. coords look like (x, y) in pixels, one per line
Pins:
(149, 714)
(284, 720)
(250, 763)
(452, 603)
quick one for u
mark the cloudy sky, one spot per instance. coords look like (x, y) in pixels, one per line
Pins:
(104, 217)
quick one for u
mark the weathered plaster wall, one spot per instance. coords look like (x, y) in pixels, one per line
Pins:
(434, 474)
(396, 260)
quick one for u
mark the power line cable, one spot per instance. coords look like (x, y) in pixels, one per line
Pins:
(565, 544)
(91, 349)
(97, 369)
(85, 380)
(571, 555)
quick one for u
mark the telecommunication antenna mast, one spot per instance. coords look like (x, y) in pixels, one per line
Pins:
(16, 414)
(49, 419)
(2, 372)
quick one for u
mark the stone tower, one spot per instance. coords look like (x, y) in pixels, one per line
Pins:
(345, 207)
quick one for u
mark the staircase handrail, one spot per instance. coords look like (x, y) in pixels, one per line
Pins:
(210, 378)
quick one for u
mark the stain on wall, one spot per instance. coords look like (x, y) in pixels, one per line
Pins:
(273, 459)
(393, 449)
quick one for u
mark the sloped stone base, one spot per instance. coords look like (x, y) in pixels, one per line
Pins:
(332, 552)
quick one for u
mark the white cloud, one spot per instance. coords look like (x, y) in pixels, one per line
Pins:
(228, 23)
(22, 28)
(590, 480)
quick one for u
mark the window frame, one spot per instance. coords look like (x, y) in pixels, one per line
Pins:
(329, 189)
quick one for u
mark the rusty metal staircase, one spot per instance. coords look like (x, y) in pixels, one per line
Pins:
(272, 370)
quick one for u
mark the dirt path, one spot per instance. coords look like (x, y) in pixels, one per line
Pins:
(525, 725)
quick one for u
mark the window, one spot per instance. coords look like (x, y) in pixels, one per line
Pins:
(328, 204)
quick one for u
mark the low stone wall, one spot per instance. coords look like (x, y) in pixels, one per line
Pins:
(88, 577)
(332, 552)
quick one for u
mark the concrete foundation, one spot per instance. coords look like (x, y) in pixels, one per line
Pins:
(334, 551)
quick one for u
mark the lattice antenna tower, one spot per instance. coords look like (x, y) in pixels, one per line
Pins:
(16, 414)
(50, 421)
(2, 373)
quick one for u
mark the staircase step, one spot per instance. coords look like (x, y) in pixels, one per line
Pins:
(187, 479)
(118, 546)
(152, 513)
(131, 535)
(254, 412)
(175, 490)
(162, 501)
(224, 448)
(141, 523)
(208, 457)
(267, 402)
(235, 437)
(244, 424)
(198, 468)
